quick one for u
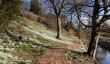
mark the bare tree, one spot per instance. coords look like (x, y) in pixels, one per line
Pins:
(99, 14)
(57, 7)
(97, 21)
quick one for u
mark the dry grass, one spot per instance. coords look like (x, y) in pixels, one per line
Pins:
(30, 15)
(48, 20)
(72, 32)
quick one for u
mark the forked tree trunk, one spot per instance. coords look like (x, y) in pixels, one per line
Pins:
(58, 28)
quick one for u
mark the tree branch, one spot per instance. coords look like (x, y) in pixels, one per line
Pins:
(104, 18)
(62, 6)
(86, 13)
(77, 11)
(54, 7)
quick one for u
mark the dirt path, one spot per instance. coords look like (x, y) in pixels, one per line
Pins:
(55, 56)
(58, 54)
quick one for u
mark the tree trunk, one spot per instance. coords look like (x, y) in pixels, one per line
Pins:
(58, 28)
(94, 28)
(92, 42)
(79, 25)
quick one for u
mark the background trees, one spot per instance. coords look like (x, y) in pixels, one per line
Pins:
(35, 7)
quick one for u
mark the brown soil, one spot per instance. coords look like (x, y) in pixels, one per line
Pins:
(55, 56)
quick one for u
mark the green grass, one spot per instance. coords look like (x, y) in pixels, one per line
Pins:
(29, 48)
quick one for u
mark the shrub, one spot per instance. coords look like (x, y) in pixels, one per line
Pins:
(30, 15)
(48, 19)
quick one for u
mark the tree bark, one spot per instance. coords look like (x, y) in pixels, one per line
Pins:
(92, 42)
(58, 28)
(79, 30)
(94, 28)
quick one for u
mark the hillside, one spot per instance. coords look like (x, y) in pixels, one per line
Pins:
(54, 32)
(24, 41)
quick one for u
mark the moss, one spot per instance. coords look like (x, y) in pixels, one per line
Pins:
(22, 62)
(1, 58)
(29, 48)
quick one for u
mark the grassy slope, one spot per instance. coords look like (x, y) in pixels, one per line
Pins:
(42, 33)
(28, 37)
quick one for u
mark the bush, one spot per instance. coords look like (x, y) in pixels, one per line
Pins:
(9, 9)
(30, 15)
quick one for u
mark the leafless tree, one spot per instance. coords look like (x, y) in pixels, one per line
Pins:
(57, 7)
(99, 14)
